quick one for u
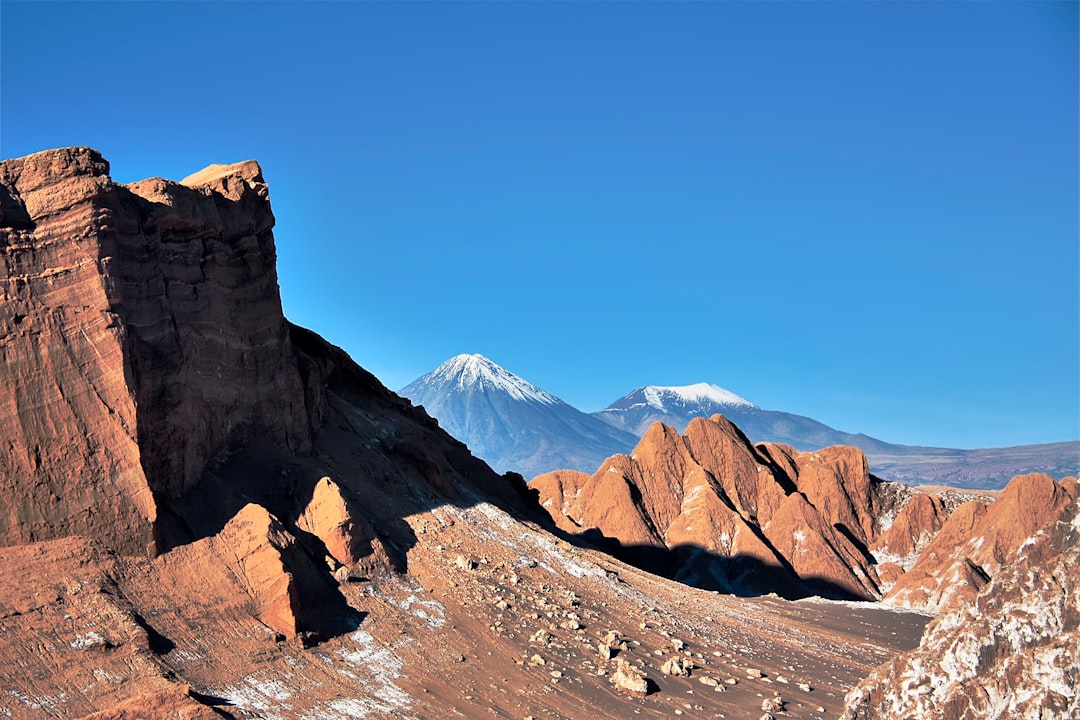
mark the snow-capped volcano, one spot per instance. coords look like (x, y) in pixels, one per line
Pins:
(671, 405)
(476, 372)
(511, 423)
(683, 396)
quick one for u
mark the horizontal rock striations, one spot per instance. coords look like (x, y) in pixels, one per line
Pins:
(142, 339)
(151, 387)
(143, 345)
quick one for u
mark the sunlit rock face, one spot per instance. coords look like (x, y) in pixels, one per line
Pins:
(715, 511)
(1014, 652)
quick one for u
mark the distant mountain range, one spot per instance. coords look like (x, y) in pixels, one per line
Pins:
(511, 423)
(514, 425)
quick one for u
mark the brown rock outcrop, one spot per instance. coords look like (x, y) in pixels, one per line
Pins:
(254, 566)
(1013, 653)
(915, 525)
(977, 540)
(730, 515)
(175, 703)
(253, 546)
(817, 551)
(836, 481)
(349, 538)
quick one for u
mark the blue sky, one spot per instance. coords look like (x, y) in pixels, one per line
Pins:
(862, 212)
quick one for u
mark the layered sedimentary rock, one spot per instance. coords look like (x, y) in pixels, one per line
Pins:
(141, 339)
(143, 345)
(1011, 653)
(722, 513)
(153, 393)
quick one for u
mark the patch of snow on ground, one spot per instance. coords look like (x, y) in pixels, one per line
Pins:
(39, 702)
(864, 605)
(384, 666)
(264, 695)
(89, 640)
(431, 611)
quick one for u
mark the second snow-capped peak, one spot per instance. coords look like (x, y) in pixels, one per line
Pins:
(662, 398)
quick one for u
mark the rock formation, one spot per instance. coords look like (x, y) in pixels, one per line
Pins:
(142, 340)
(1013, 652)
(712, 510)
(988, 468)
(976, 541)
(721, 513)
(143, 346)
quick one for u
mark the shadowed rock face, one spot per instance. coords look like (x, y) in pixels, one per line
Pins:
(732, 516)
(1011, 653)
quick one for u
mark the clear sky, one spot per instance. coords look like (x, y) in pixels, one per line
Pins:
(862, 212)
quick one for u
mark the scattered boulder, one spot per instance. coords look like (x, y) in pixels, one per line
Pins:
(676, 667)
(773, 705)
(630, 680)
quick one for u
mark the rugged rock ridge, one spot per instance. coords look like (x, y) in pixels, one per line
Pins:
(714, 511)
(977, 541)
(1012, 653)
(728, 515)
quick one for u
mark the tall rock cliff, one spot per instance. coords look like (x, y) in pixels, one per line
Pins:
(129, 316)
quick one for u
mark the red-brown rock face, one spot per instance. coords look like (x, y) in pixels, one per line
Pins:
(977, 541)
(1012, 653)
(730, 515)
(911, 531)
(141, 339)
